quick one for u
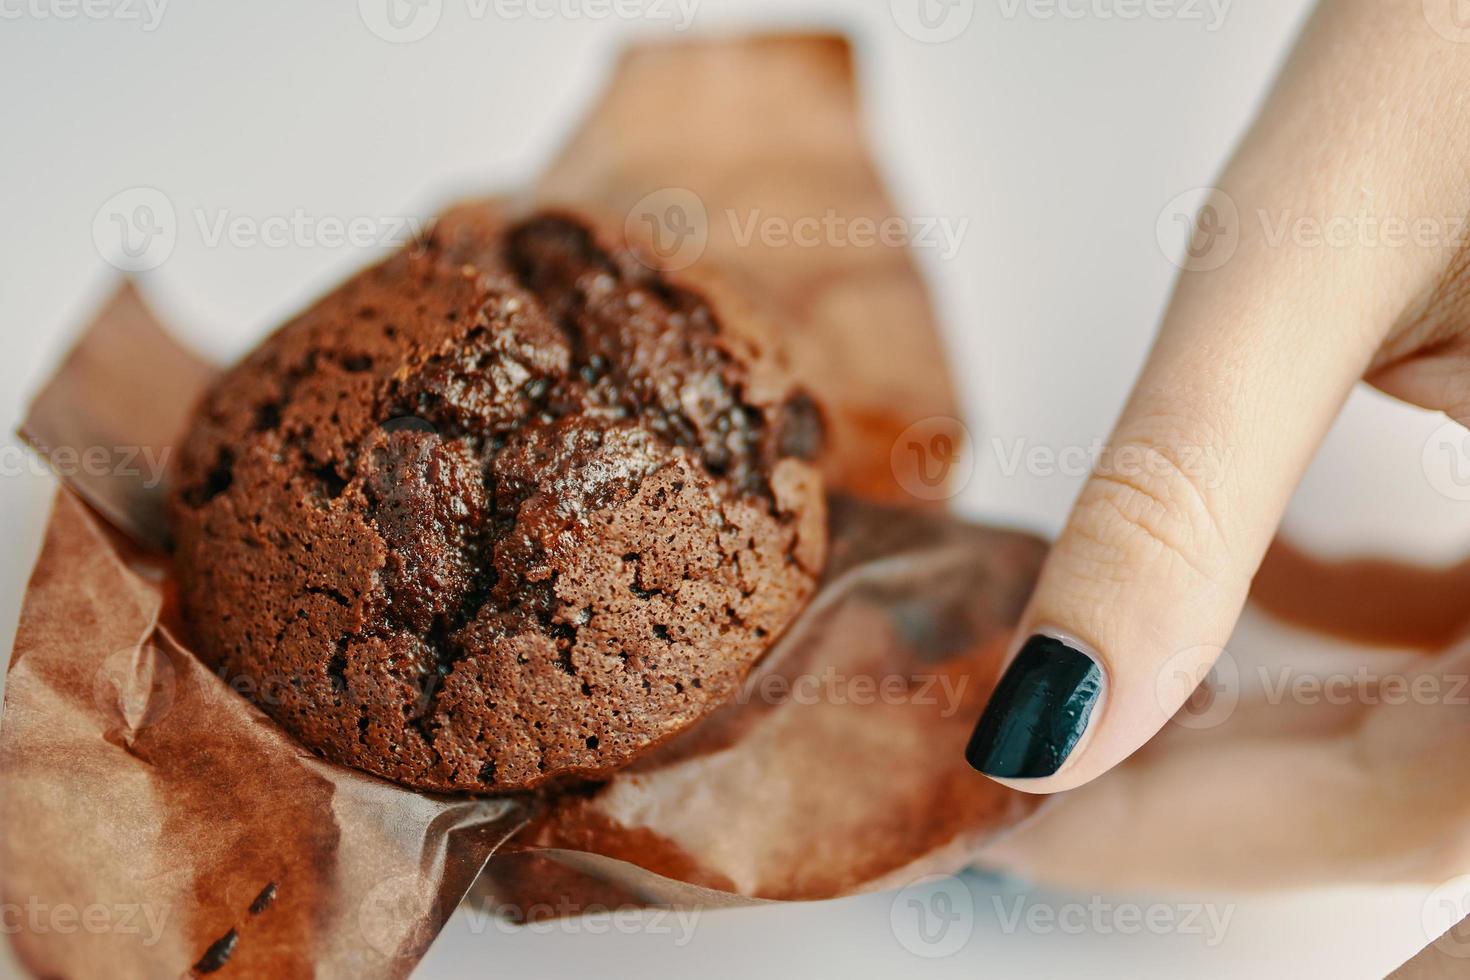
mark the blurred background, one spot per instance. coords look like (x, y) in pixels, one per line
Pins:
(1053, 138)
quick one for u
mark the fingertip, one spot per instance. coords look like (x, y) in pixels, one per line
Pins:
(1041, 713)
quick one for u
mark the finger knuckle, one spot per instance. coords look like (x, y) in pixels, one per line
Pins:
(1156, 508)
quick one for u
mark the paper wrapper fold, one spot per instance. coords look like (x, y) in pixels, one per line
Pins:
(136, 783)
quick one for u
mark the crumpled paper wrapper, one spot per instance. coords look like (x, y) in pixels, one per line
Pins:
(140, 790)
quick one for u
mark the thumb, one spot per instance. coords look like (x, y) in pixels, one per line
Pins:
(1143, 587)
(1258, 351)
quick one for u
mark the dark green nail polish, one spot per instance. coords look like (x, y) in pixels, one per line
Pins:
(1038, 712)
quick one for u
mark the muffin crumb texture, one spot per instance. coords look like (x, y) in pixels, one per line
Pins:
(510, 506)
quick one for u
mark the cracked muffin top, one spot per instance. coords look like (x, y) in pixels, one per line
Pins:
(508, 507)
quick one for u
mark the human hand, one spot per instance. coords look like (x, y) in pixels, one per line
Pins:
(1334, 249)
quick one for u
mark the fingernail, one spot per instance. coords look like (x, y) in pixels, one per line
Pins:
(1038, 712)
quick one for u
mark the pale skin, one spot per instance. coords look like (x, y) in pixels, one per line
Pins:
(1367, 131)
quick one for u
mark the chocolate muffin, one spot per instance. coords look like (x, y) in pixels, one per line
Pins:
(511, 506)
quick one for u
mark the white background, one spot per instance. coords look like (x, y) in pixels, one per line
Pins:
(1060, 139)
